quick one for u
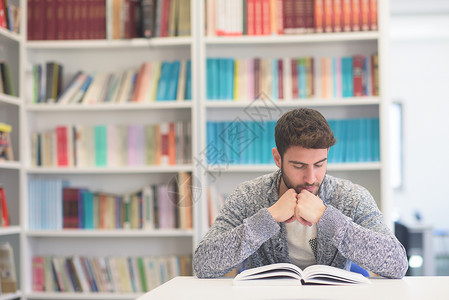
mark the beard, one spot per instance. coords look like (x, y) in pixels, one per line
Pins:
(298, 188)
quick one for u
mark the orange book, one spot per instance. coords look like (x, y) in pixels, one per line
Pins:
(319, 16)
(373, 14)
(346, 11)
(364, 15)
(356, 16)
(328, 16)
(258, 17)
(266, 17)
(337, 18)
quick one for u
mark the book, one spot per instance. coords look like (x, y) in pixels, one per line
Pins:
(289, 274)
(8, 279)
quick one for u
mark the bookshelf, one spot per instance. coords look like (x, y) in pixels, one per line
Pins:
(12, 171)
(225, 177)
(112, 55)
(94, 56)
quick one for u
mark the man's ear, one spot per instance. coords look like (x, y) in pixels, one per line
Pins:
(277, 157)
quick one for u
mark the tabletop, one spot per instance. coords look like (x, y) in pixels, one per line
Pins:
(188, 287)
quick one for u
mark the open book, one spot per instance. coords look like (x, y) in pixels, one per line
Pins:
(289, 274)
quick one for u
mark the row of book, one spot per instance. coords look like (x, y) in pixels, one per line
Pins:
(109, 274)
(168, 143)
(292, 78)
(6, 150)
(249, 142)
(6, 83)
(10, 15)
(54, 205)
(271, 17)
(153, 81)
(111, 19)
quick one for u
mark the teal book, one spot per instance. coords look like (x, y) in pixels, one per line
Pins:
(188, 87)
(376, 139)
(88, 208)
(302, 78)
(230, 65)
(163, 81)
(173, 80)
(215, 79)
(222, 84)
(275, 85)
(100, 135)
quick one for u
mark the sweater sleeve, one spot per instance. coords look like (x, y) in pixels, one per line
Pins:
(367, 243)
(227, 244)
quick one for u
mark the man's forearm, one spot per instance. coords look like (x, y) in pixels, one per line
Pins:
(222, 250)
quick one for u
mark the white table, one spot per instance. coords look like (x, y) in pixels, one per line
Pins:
(184, 288)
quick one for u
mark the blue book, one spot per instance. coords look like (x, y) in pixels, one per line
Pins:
(209, 79)
(376, 140)
(230, 64)
(215, 79)
(222, 84)
(345, 77)
(210, 136)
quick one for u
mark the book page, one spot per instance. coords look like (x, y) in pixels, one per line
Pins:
(322, 274)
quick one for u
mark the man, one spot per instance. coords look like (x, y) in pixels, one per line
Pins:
(299, 214)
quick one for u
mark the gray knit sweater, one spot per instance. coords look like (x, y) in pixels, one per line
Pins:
(351, 229)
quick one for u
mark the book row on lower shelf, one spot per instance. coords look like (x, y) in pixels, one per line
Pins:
(100, 19)
(54, 205)
(112, 145)
(152, 81)
(292, 78)
(268, 17)
(111, 274)
(249, 142)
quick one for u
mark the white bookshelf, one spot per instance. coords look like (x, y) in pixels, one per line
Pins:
(372, 175)
(112, 55)
(12, 172)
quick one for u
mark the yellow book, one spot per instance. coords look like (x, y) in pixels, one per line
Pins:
(236, 80)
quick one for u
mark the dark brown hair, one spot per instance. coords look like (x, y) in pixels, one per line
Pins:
(303, 127)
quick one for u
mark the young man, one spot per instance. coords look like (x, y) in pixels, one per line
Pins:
(299, 214)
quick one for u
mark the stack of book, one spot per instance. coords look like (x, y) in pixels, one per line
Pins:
(55, 206)
(249, 142)
(271, 17)
(153, 81)
(292, 78)
(168, 143)
(100, 19)
(112, 274)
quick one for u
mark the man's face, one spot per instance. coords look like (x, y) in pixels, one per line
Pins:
(304, 168)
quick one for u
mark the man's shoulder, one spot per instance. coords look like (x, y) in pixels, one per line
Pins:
(262, 185)
(334, 187)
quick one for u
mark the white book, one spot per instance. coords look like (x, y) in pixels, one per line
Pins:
(290, 274)
(287, 79)
(81, 275)
(180, 93)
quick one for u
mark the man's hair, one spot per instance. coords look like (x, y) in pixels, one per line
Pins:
(303, 127)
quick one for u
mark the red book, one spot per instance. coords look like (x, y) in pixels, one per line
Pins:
(258, 17)
(295, 86)
(61, 146)
(4, 208)
(50, 20)
(76, 7)
(373, 14)
(356, 16)
(289, 16)
(309, 15)
(250, 27)
(70, 202)
(358, 75)
(337, 19)
(69, 28)
(61, 20)
(164, 131)
(3, 16)
(83, 19)
(31, 26)
(165, 19)
(38, 273)
(280, 79)
(319, 16)
(266, 17)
